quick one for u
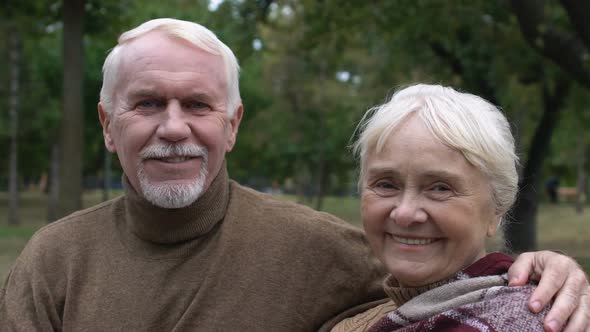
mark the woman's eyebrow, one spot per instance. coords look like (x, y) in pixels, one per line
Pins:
(380, 170)
(443, 174)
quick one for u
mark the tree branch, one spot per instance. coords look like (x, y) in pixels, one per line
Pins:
(578, 12)
(559, 46)
(481, 84)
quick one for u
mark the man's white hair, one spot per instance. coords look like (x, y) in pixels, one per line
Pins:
(462, 121)
(195, 34)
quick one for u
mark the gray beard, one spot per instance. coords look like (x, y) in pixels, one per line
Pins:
(173, 196)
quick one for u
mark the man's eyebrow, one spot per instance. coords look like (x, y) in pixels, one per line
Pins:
(144, 93)
(198, 96)
(150, 93)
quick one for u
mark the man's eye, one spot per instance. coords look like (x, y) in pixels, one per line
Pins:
(384, 185)
(149, 104)
(196, 105)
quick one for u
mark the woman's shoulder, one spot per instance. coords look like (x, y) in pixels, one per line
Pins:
(363, 321)
(502, 308)
(508, 306)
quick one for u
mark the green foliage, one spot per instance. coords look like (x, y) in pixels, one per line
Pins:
(41, 72)
(321, 64)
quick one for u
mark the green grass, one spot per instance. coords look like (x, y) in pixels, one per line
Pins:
(559, 227)
(585, 262)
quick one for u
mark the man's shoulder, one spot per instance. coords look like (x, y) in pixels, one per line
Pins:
(71, 236)
(77, 225)
(251, 201)
(289, 222)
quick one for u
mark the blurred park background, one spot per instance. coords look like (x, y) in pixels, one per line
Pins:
(310, 69)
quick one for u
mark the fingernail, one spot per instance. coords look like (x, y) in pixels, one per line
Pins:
(512, 280)
(553, 325)
(537, 307)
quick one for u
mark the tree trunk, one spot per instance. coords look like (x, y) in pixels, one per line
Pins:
(301, 172)
(321, 167)
(71, 133)
(13, 193)
(53, 197)
(521, 232)
(321, 174)
(581, 185)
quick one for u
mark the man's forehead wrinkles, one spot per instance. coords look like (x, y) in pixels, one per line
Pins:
(158, 78)
(144, 92)
(155, 92)
(201, 70)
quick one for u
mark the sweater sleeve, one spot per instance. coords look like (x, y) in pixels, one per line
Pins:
(28, 300)
(352, 274)
(323, 263)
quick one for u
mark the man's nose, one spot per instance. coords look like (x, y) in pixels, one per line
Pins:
(408, 211)
(174, 126)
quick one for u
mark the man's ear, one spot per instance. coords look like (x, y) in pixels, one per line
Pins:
(234, 124)
(105, 121)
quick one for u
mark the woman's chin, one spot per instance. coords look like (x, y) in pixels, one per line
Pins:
(412, 274)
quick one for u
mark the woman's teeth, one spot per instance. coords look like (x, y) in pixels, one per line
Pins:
(414, 241)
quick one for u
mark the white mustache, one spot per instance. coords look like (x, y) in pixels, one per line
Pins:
(173, 150)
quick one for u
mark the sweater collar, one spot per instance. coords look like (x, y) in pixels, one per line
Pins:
(401, 295)
(168, 226)
(491, 264)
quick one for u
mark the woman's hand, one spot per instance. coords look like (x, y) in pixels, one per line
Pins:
(558, 276)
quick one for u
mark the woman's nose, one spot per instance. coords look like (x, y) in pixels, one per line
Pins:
(408, 211)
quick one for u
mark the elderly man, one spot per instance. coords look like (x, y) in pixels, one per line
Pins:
(186, 248)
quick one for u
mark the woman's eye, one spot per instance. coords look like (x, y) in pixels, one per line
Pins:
(384, 188)
(440, 191)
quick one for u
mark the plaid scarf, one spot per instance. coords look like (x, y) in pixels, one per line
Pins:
(476, 299)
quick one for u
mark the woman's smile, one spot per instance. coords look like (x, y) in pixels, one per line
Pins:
(413, 241)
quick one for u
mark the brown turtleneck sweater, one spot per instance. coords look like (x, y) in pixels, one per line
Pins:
(235, 260)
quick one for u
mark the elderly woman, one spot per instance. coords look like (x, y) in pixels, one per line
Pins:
(438, 175)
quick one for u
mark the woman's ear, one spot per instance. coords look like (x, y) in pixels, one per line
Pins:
(493, 226)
